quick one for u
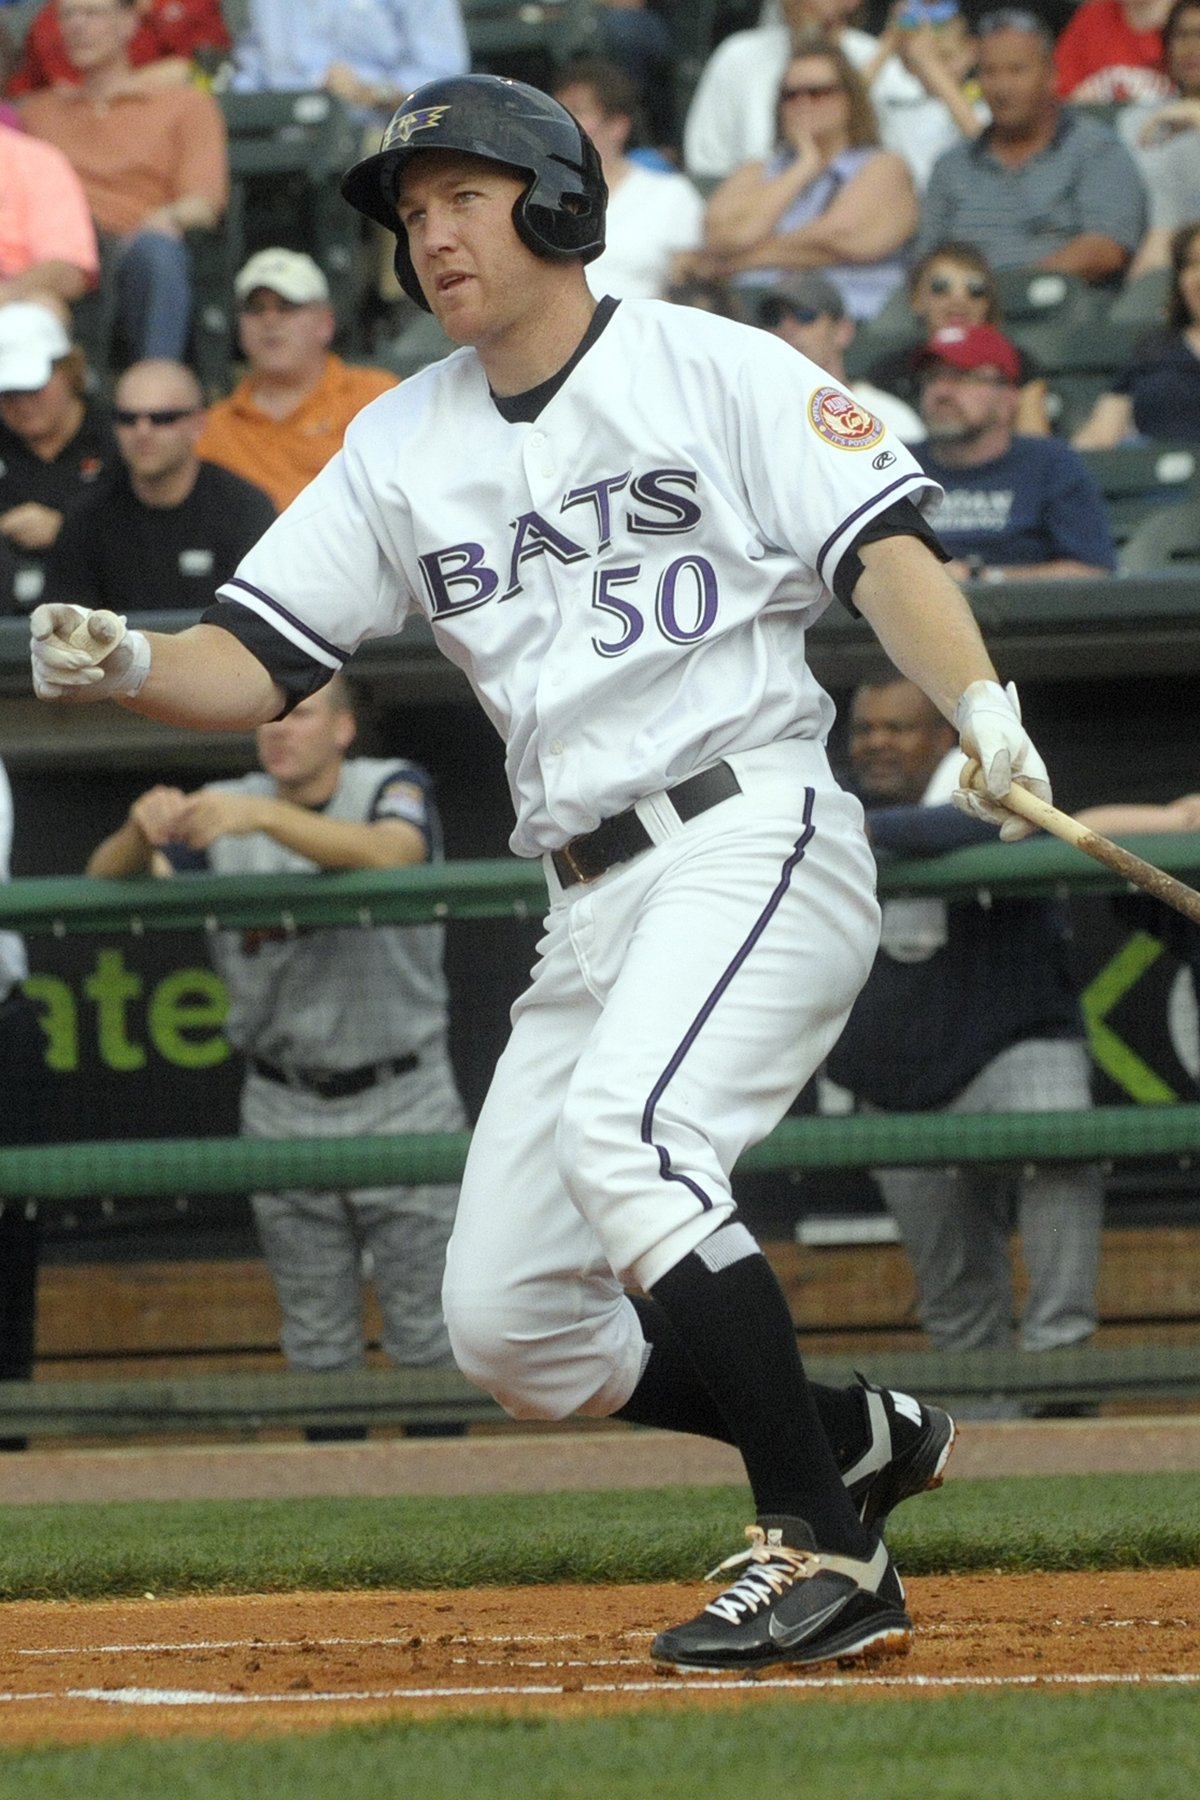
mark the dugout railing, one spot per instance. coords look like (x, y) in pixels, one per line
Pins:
(100, 1173)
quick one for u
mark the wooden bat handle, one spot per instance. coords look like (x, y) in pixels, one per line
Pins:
(1132, 868)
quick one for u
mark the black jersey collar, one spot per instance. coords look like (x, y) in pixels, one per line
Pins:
(523, 409)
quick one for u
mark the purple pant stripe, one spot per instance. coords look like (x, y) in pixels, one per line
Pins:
(760, 924)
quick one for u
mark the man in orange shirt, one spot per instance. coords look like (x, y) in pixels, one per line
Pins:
(153, 164)
(284, 421)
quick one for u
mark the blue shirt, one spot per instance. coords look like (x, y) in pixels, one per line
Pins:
(1037, 503)
(396, 43)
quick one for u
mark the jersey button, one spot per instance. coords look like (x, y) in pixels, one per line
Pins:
(557, 747)
(537, 439)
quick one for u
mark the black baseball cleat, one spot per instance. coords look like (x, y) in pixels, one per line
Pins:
(794, 1604)
(907, 1451)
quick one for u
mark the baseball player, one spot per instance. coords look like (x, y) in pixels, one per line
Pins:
(619, 521)
(343, 1031)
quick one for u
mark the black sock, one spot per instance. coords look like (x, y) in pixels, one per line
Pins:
(732, 1319)
(672, 1396)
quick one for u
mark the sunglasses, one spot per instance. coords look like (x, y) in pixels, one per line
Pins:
(166, 416)
(811, 93)
(975, 286)
(773, 312)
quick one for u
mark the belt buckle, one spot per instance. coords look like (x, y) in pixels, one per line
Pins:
(568, 857)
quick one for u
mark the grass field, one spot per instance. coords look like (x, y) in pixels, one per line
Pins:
(1098, 1745)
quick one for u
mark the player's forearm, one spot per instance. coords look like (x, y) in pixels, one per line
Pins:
(126, 852)
(204, 678)
(342, 843)
(922, 620)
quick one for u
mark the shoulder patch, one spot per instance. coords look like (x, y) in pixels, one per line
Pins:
(401, 798)
(842, 421)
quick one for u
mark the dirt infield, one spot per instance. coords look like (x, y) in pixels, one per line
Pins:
(76, 1674)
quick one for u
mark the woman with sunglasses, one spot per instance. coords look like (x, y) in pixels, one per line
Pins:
(829, 198)
(1157, 394)
(953, 284)
(56, 444)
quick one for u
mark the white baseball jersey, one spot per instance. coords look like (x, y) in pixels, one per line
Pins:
(626, 580)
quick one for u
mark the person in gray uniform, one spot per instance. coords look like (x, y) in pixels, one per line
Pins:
(343, 1030)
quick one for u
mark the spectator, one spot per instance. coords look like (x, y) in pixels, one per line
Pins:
(370, 54)
(970, 1008)
(953, 284)
(652, 215)
(829, 197)
(1157, 393)
(56, 445)
(1042, 186)
(1013, 506)
(170, 528)
(287, 417)
(708, 294)
(47, 240)
(1113, 50)
(153, 165)
(807, 313)
(940, 104)
(1164, 142)
(23, 1120)
(638, 40)
(169, 36)
(732, 117)
(343, 1031)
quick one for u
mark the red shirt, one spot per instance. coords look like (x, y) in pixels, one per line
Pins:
(1099, 36)
(170, 28)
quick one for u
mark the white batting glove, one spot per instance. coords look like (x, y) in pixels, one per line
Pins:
(1000, 752)
(82, 654)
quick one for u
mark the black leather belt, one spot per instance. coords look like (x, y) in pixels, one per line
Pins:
(336, 1084)
(622, 837)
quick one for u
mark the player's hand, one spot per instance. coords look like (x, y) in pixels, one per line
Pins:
(82, 654)
(208, 815)
(999, 751)
(156, 814)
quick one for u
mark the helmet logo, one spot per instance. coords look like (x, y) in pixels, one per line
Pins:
(402, 128)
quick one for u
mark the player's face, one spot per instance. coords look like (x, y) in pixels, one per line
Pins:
(281, 339)
(1016, 78)
(480, 280)
(43, 414)
(157, 418)
(950, 293)
(304, 751)
(897, 739)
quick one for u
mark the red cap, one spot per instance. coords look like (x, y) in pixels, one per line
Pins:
(970, 347)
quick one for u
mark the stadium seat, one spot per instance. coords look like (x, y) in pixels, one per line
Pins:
(1167, 537)
(421, 342)
(1143, 301)
(287, 154)
(508, 37)
(1137, 479)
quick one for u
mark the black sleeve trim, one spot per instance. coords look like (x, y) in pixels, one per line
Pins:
(297, 674)
(901, 519)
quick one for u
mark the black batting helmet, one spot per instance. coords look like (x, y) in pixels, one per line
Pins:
(560, 213)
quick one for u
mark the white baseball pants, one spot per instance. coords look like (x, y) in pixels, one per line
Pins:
(679, 1004)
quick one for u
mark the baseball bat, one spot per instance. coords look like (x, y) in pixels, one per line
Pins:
(1142, 874)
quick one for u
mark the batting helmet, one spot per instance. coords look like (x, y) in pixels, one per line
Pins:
(559, 214)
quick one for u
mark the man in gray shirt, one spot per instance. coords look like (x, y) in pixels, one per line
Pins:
(1043, 186)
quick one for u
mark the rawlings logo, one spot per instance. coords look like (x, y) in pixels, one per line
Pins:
(841, 421)
(401, 129)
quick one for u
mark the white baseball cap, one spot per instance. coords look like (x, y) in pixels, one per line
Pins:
(31, 342)
(289, 273)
